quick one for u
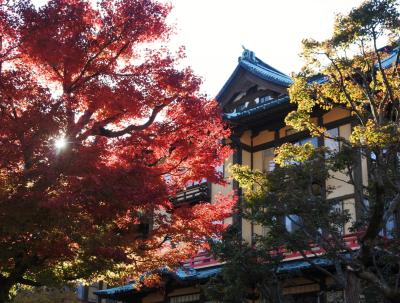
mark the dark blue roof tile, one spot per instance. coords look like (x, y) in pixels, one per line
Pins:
(249, 62)
(265, 73)
(388, 61)
(259, 108)
(189, 274)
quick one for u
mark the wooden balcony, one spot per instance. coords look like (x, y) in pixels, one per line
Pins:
(193, 194)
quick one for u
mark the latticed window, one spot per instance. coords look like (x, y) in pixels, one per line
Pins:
(185, 299)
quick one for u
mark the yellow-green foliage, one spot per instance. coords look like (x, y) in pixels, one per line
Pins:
(288, 153)
(44, 295)
(342, 73)
(253, 183)
(354, 79)
(375, 137)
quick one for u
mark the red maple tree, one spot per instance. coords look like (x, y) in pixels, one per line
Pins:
(93, 118)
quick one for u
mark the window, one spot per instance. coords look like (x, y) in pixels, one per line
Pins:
(185, 299)
(312, 140)
(195, 183)
(220, 170)
(268, 160)
(390, 227)
(331, 144)
(168, 178)
(292, 223)
(337, 209)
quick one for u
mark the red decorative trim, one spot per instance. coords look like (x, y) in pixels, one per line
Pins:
(204, 259)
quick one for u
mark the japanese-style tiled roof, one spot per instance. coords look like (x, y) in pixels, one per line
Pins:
(389, 60)
(116, 290)
(265, 71)
(258, 108)
(249, 62)
(254, 65)
(188, 274)
(182, 274)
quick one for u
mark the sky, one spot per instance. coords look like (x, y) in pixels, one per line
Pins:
(214, 31)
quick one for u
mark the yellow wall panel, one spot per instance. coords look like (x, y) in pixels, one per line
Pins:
(334, 115)
(350, 206)
(263, 137)
(246, 230)
(258, 160)
(340, 186)
(345, 131)
(246, 137)
(153, 298)
(223, 189)
(258, 229)
(246, 158)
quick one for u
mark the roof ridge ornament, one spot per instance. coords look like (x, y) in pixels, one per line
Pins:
(248, 55)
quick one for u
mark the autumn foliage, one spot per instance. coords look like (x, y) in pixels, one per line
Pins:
(135, 127)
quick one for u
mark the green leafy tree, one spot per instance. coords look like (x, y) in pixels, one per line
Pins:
(356, 75)
(45, 295)
(248, 272)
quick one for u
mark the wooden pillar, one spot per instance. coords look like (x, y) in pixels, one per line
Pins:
(237, 159)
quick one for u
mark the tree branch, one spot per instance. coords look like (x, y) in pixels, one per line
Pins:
(29, 282)
(387, 291)
(100, 130)
(393, 205)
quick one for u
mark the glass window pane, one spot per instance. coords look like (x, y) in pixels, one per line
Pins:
(330, 143)
(389, 229)
(337, 208)
(220, 169)
(268, 160)
(312, 140)
(291, 222)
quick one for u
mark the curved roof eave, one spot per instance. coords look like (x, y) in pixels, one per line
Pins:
(228, 82)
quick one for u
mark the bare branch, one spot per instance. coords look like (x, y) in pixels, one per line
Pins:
(343, 88)
(381, 69)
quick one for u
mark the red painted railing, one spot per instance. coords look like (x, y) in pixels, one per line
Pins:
(204, 259)
(350, 241)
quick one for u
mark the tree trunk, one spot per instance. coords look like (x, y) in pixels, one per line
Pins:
(4, 293)
(352, 289)
(272, 293)
(6, 284)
